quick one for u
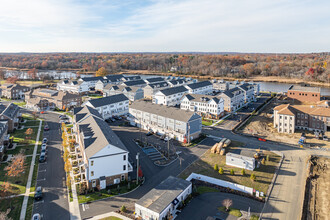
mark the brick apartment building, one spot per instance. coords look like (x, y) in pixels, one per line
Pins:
(304, 93)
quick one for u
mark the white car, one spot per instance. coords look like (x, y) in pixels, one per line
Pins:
(36, 216)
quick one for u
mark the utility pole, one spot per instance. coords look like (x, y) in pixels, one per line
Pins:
(168, 147)
(188, 133)
(137, 168)
(140, 130)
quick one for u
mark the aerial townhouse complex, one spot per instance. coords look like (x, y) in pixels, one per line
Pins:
(233, 99)
(288, 117)
(154, 80)
(204, 105)
(47, 99)
(304, 93)
(91, 81)
(203, 87)
(131, 92)
(152, 88)
(222, 85)
(110, 106)
(248, 91)
(13, 91)
(109, 79)
(140, 83)
(169, 96)
(11, 114)
(176, 123)
(73, 86)
(102, 157)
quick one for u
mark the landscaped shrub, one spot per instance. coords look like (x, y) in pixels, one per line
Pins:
(232, 172)
(253, 177)
(263, 162)
(243, 172)
(216, 167)
(221, 170)
(267, 157)
(123, 209)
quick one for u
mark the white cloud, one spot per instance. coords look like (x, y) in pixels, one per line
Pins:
(165, 25)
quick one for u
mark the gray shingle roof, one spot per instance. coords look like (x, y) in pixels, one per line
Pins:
(114, 78)
(93, 78)
(10, 110)
(121, 88)
(81, 112)
(98, 135)
(165, 111)
(201, 98)
(158, 84)
(3, 128)
(164, 194)
(130, 78)
(154, 79)
(108, 100)
(173, 90)
(199, 84)
(134, 83)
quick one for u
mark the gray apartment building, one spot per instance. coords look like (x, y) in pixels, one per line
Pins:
(131, 92)
(13, 91)
(176, 123)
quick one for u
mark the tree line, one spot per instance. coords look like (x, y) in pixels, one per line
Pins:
(311, 67)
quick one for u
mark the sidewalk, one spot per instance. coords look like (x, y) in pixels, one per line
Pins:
(114, 214)
(28, 185)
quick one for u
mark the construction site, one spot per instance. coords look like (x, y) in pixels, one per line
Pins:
(317, 201)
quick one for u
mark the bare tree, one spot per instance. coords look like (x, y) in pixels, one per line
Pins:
(227, 203)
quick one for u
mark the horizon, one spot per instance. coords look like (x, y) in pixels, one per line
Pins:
(164, 26)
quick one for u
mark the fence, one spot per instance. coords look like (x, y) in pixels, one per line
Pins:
(222, 183)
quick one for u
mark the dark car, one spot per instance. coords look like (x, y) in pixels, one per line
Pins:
(44, 151)
(61, 116)
(42, 158)
(113, 120)
(108, 120)
(44, 141)
(46, 128)
(149, 133)
(38, 194)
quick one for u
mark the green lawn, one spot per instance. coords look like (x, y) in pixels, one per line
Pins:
(104, 194)
(29, 208)
(15, 204)
(232, 211)
(207, 122)
(111, 218)
(205, 189)
(35, 175)
(30, 122)
(205, 166)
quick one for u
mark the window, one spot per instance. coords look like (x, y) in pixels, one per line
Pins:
(92, 173)
(122, 177)
(285, 117)
(281, 117)
(92, 162)
(124, 157)
(124, 167)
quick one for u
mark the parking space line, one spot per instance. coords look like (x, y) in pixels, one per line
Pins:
(42, 170)
(41, 201)
(42, 179)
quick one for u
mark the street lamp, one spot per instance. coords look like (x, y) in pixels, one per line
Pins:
(137, 168)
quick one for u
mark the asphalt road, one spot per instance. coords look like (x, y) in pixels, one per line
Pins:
(51, 175)
(206, 205)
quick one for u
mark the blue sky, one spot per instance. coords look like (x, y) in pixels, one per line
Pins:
(164, 26)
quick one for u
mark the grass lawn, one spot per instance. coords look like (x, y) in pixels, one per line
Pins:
(20, 103)
(25, 82)
(30, 122)
(205, 189)
(19, 135)
(232, 211)
(15, 204)
(254, 217)
(35, 175)
(29, 208)
(104, 194)
(111, 218)
(207, 122)
(205, 166)
(95, 96)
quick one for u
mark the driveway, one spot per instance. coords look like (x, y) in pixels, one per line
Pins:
(206, 205)
(51, 175)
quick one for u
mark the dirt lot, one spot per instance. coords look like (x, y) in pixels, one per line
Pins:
(262, 126)
(319, 201)
(205, 166)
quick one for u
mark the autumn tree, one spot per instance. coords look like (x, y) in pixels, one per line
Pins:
(4, 189)
(101, 72)
(2, 74)
(12, 79)
(32, 73)
(227, 203)
(16, 167)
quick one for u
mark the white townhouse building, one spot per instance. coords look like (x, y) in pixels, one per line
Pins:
(108, 79)
(102, 158)
(73, 86)
(131, 78)
(109, 106)
(140, 83)
(169, 96)
(248, 91)
(180, 82)
(91, 81)
(204, 105)
(233, 99)
(204, 87)
(220, 85)
(162, 201)
(177, 123)
(131, 92)
(152, 88)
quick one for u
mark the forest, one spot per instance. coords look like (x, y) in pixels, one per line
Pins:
(310, 67)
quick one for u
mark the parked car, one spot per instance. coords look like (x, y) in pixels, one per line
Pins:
(44, 146)
(325, 138)
(46, 128)
(120, 118)
(113, 120)
(36, 216)
(42, 158)
(149, 133)
(108, 120)
(61, 116)
(44, 141)
(38, 194)
(43, 151)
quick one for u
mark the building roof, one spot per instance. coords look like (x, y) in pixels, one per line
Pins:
(173, 90)
(131, 78)
(165, 111)
(12, 86)
(304, 88)
(52, 94)
(230, 93)
(93, 78)
(97, 134)
(158, 84)
(122, 87)
(9, 111)
(80, 113)
(134, 83)
(114, 77)
(177, 81)
(154, 79)
(164, 194)
(3, 128)
(73, 82)
(287, 109)
(199, 84)
(238, 156)
(246, 86)
(108, 100)
(201, 98)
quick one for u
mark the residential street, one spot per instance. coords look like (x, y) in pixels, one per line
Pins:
(51, 175)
